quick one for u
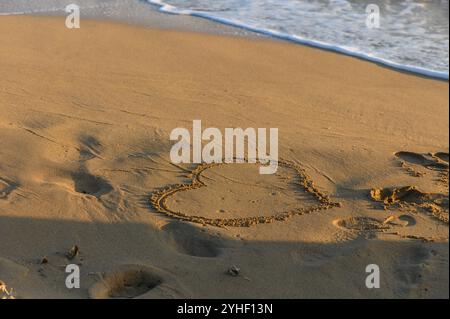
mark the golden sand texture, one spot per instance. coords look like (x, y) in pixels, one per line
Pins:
(85, 119)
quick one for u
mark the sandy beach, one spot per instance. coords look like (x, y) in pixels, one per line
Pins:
(85, 119)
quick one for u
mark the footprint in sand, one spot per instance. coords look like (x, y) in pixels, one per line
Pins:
(237, 195)
(431, 161)
(6, 188)
(410, 269)
(78, 181)
(137, 281)
(443, 156)
(85, 183)
(360, 224)
(77, 177)
(436, 162)
(411, 199)
(404, 220)
(368, 226)
(90, 147)
(189, 240)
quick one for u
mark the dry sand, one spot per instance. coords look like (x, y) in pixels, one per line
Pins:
(85, 117)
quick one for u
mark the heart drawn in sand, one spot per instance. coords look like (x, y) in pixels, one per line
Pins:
(160, 199)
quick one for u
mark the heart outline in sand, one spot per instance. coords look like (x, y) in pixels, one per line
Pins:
(158, 199)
